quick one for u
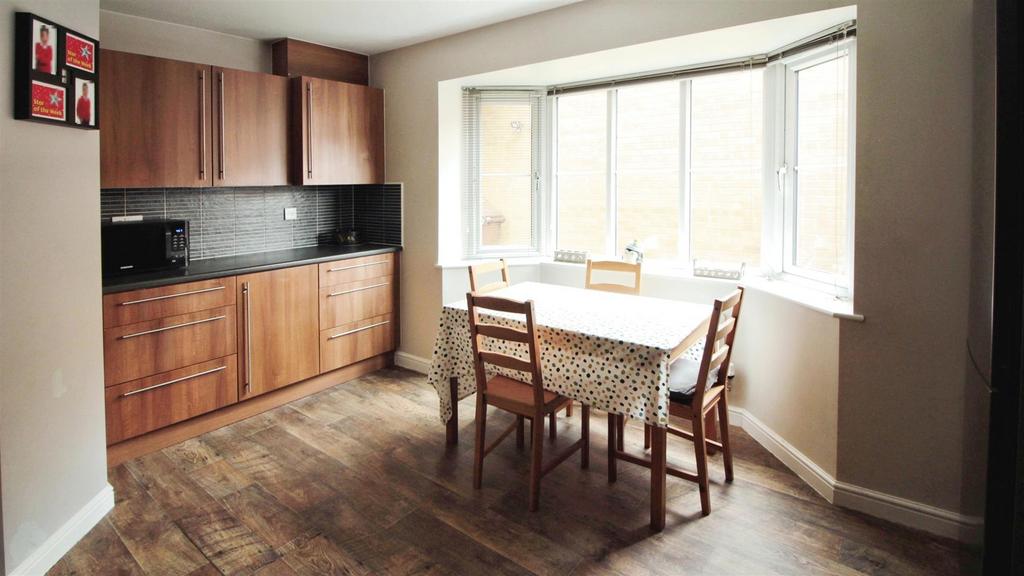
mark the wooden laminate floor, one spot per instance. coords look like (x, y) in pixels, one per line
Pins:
(357, 479)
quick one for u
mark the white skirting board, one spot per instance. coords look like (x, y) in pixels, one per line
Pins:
(879, 504)
(895, 509)
(410, 362)
(58, 544)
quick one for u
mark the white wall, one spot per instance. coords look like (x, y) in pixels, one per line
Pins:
(900, 373)
(51, 358)
(155, 38)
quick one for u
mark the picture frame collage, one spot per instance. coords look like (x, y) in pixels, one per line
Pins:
(56, 73)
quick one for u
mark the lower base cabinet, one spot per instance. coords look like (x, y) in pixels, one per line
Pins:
(350, 343)
(278, 321)
(146, 404)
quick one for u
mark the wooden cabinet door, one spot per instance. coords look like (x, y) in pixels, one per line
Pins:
(340, 133)
(278, 327)
(250, 127)
(154, 122)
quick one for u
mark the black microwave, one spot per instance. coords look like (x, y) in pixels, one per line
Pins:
(144, 246)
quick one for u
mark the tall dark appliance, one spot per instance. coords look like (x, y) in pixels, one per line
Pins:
(1004, 509)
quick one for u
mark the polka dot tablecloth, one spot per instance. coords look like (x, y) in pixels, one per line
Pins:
(611, 351)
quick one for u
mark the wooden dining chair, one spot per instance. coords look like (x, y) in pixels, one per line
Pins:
(634, 289)
(693, 400)
(527, 400)
(478, 270)
(614, 266)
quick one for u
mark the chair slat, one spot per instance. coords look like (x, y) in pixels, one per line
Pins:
(732, 300)
(718, 358)
(505, 361)
(613, 266)
(477, 270)
(500, 304)
(502, 333)
(724, 328)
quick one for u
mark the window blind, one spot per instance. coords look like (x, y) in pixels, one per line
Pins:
(502, 155)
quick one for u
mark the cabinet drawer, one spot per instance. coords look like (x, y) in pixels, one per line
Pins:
(353, 301)
(356, 341)
(151, 303)
(143, 405)
(353, 269)
(146, 348)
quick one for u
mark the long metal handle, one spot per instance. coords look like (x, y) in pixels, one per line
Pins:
(202, 124)
(166, 328)
(248, 336)
(220, 153)
(333, 336)
(332, 294)
(177, 295)
(175, 381)
(309, 129)
(357, 266)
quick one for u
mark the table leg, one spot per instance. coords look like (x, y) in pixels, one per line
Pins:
(659, 446)
(452, 428)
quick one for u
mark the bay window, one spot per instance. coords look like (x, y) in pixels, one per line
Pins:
(751, 165)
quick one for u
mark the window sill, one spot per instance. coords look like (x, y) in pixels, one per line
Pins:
(807, 297)
(512, 261)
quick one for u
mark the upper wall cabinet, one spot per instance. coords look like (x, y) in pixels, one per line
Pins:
(250, 128)
(337, 132)
(154, 122)
(170, 124)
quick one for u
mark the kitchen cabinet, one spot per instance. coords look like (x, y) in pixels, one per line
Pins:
(154, 122)
(250, 128)
(337, 132)
(278, 327)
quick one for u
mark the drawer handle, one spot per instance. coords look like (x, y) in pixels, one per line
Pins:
(175, 381)
(357, 266)
(332, 294)
(155, 298)
(332, 337)
(165, 328)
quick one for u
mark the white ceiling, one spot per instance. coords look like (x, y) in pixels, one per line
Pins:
(364, 26)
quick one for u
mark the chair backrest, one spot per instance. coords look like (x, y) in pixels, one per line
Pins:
(478, 270)
(725, 317)
(479, 329)
(614, 266)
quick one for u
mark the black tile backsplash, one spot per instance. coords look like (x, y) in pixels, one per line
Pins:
(233, 221)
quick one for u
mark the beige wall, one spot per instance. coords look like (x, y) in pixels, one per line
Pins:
(155, 38)
(901, 373)
(51, 358)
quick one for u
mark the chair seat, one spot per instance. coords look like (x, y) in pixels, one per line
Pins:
(515, 396)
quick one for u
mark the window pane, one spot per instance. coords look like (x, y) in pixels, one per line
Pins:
(647, 173)
(726, 152)
(506, 174)
(582, 156)
(821, 172)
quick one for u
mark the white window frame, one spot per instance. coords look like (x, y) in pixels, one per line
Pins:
(784, 132)
(473, 249)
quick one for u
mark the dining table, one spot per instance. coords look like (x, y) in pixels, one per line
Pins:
(608, 350)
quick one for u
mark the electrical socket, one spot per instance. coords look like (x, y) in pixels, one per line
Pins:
(291, 214)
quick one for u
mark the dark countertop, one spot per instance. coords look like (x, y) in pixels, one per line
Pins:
(244, 264)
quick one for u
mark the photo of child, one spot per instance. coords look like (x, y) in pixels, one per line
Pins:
(84, 106)
(44, 37)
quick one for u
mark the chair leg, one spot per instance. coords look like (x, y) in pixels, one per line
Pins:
(647, 436)
(585, 436)
(723, 419)
(478, 453)
(620, 436)
(520, 432)
(568, 409)
(613, 426)
(700, 448)
(551, 426)
(536, 461)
